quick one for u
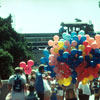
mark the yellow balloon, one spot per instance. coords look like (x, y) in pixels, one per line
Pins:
(61, 81)
(90, 55)
(56, 50)
(70, 78)
(90, 77)
(60, 44)
(81, 47)
(67, 82)
(85, 81)
(72, 48)
(83, 54)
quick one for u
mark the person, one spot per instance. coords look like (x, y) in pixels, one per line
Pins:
(47, 88)
(32, 94)
(54, 90)
(84, 91)
(96, 90)
(70, 92)
(60, 92)
(16, 84)
(39, 85)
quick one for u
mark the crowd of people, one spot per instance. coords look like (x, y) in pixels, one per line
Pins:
(41, 86)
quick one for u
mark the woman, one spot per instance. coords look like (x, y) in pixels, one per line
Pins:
(70, 92)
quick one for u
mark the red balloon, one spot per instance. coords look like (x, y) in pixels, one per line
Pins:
(22, 64)
(88, 49)
(30, 63)
(85, 43)
(27, 70)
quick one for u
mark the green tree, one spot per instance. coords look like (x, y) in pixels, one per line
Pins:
(6, 60)
(13, 42)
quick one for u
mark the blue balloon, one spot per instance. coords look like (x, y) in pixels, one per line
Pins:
(87, 58)
(74, 51)
(83, 38)
(92, 64)
(46, 52)
(73, 34)
(59, 58)
(79, 52)
(65, 54)
(81, 32)
(61, 52)
(80, 58)
(74, 74)
(75, 38)
(68, 37)
(42, 60)
(64, 35)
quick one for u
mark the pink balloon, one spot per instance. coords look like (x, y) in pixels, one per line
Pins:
(74, 43)
(30, 63)
(87, 37)
(94, 45)
(56, 38)
(67, 43)
(50, 42)
(22, 64)
(27, 70)
(59, 76)
(56, 70)
(91, 40)
(52, 51)
(51, 57)
(51, 62)
(79, 37)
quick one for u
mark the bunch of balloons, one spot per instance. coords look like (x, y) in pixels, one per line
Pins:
(27, 67)
(74, 57)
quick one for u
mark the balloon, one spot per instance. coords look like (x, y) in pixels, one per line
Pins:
(60, 43)
(85, 81)
(52, 51)
(81, 32)
(66, 82)
(61, 81)
(90, 77)
(56, 70)
(79, 52)
(87, 49)
(87, 37)
(30, 63)
(61, 52)
(73, 34)
(46, 53)
(94, 45)
(66, 43)
(22, 64)
(65, 55)
(82, 47)
(75, 38)
(74, 43)
(79, 37)
(27, 70)
(50, 42)
(51, 62)
(42, 60)
(85, 43)
(56, 38)
(83, 38)
(74, 51)
(59, 76)
(80, 58)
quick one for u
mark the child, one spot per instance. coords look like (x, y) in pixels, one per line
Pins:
(32, 94)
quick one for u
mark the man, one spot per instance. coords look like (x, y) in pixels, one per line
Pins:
(16, 84)
(39, 82)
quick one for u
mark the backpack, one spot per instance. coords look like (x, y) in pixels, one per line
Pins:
(17, 87)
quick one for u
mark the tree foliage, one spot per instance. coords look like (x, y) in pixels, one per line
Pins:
(12, 42)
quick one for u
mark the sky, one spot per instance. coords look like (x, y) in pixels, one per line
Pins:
(45, 16)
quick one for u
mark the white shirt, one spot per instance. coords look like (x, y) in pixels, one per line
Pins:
(85, 88)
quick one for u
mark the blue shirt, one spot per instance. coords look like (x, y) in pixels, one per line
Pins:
(39, 83)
